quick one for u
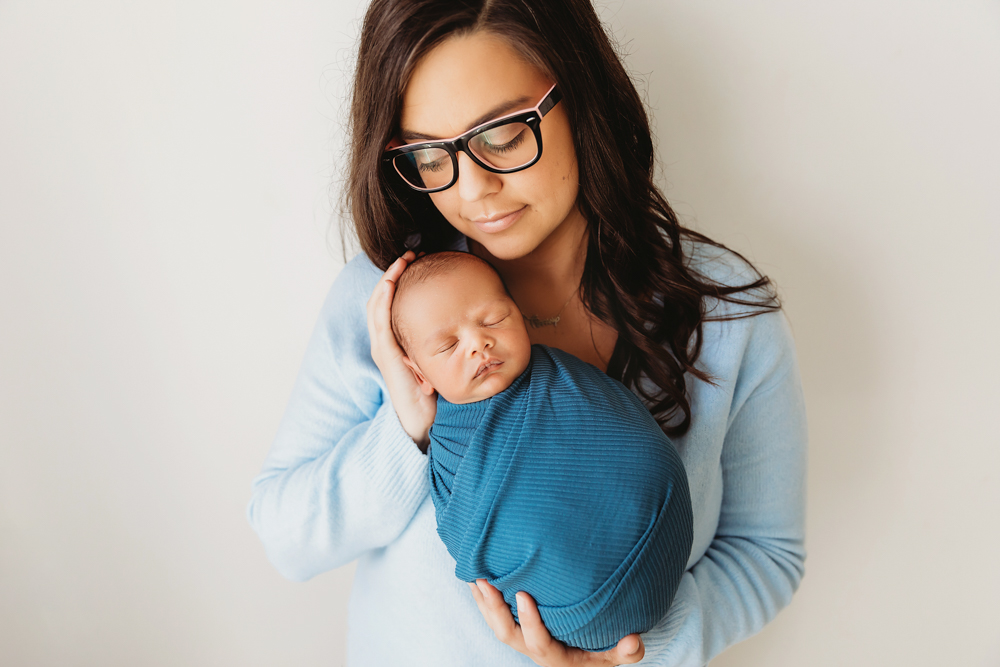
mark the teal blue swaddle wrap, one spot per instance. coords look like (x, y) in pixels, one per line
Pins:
(564, 486)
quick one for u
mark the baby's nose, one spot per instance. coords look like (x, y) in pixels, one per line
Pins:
(481, 344)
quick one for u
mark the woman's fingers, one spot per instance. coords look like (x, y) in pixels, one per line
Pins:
(544, 650)
(629, 650)
(414, 408)
(382, 317)
(533, 639)
(396, 268)
(379, 309)
(498, 616)
(477, 595)
(391, 275)
(489, 599)
(537, 639)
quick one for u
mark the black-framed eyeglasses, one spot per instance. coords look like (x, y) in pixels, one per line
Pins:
(505, 145)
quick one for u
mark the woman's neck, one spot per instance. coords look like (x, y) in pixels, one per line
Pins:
(542, 280)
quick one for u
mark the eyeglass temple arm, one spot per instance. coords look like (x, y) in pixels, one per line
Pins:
(551, 99)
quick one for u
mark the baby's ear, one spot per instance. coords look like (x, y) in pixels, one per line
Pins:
(425, 386)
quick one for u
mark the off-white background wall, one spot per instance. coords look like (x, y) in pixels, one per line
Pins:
(165, 204)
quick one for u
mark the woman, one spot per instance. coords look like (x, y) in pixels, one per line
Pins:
(510, 129)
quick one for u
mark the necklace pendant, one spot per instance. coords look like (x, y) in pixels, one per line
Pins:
(538, 322)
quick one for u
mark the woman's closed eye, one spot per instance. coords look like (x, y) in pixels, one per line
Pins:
(505, 147)
(436, 165)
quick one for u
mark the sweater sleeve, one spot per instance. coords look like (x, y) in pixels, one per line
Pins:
(342, 475)
(756, 560)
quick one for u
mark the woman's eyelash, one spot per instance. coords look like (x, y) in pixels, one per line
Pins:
(509, 146)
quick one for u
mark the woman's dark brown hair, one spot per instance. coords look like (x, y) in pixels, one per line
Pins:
(636, 277)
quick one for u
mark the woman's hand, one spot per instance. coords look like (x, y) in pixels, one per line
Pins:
(415, 409)
(532, 639)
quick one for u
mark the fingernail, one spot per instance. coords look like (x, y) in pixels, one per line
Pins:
(482, 589)
(638, 645)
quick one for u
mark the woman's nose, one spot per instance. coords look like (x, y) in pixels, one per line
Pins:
(474, 182)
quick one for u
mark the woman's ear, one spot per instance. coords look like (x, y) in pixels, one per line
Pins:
(425, 386)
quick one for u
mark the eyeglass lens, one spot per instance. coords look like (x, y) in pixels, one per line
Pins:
(506, 146)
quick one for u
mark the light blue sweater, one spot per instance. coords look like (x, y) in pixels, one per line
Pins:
(343, 481)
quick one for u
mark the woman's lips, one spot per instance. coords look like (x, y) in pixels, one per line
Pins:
(494, 224)
(488, 366)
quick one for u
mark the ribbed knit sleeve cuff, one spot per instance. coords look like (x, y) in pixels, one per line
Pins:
(392, 462)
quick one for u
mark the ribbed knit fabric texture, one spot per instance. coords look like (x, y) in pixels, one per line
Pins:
(564, 486)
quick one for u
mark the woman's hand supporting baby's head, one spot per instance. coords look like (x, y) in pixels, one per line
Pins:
(461, 333)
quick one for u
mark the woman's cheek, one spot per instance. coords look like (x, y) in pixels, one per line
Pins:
(448, 206)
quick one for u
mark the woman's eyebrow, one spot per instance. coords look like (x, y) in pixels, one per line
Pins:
(409, 136)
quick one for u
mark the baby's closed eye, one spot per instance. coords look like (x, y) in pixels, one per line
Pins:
(495, 319)
(447, 346)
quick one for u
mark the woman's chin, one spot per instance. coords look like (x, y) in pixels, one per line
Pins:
(506, 248)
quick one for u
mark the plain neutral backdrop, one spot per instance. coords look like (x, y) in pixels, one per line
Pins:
(168, 231)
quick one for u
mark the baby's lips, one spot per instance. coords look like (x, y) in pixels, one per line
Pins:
(489, 364)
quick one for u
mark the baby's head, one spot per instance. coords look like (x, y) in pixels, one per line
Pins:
(461, 333)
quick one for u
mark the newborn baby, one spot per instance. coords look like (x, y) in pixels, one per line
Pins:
(547, 476)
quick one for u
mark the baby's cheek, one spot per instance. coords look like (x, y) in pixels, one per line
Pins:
(459, 380)
(523, 352)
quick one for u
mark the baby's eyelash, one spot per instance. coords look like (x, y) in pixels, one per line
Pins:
(445, 349)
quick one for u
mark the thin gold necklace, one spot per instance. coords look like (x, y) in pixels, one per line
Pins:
(538, 322)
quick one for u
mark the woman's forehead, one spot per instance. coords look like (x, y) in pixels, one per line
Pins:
(467, 80)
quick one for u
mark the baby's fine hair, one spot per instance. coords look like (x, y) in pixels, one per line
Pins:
(420, 271)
